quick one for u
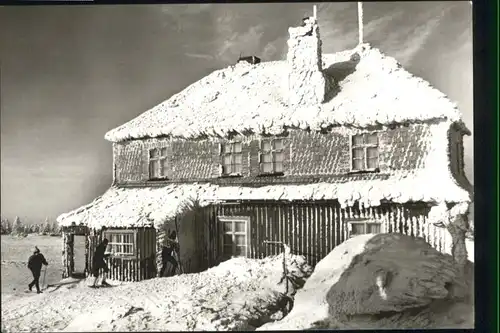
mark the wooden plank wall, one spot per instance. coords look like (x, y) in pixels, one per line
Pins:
(313, 229)
(139, 267)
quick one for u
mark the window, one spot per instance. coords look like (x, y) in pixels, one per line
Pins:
(271, 156)
(234, 240)
(231, 158)
(364, 152)
(121, 243)
(360, 227)
(158, 163)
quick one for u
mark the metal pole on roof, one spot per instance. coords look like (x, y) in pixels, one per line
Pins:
(315, 13)
(360, 21)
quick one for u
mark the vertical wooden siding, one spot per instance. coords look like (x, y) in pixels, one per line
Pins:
(138, 267)
(313, 229)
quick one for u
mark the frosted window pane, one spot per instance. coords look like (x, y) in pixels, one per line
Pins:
(227, 226)
(357, 140)
(267, 167)
(164, 152)
(226, 148)
(266, 145)
(372, 139)
(239, 226)
(227, 160)
(372, 163)
(237, 147)
(237, 168)
(278, 167)
(358, 153)
(278, 157)
(266, 158)
(237, 159)
(278, 144)
(358, 229)
(372, 152)
(240, 239)
(358, 164)
(154, 168)
(164, 167)
(373, 228)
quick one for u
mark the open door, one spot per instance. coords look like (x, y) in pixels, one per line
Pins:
(79, 256)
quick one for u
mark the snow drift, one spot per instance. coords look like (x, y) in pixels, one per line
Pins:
(383, 281)
(238, 294)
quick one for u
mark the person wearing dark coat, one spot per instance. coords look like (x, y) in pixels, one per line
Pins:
(35, 263)
(99, 263)
(166, 254)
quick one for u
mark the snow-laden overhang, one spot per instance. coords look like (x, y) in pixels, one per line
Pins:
(150, 207)
(371, 89)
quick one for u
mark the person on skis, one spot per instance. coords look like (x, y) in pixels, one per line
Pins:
(167, 254)
(35, 262)
(99, 263)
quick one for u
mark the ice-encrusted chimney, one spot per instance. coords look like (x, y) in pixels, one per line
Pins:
(306, 83)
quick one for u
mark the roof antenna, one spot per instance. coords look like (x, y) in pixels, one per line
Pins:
(360, 21)
(315, 13)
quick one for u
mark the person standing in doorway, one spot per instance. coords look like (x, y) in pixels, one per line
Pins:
(99, 263)
(35, 262)
(167, 254)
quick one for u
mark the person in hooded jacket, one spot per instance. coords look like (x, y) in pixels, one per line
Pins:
(99, 263)
(35, 262)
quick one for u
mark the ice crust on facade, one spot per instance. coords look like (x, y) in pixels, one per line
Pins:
(150, 206)
(367, 89)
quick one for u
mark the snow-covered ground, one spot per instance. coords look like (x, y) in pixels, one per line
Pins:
(15, 254)
(310, 304)
(238, 294)
(315, 293)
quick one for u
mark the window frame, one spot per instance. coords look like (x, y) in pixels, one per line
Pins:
(232, 154)
(162, 160)
(133, 233)
(362, 221)
(224, 219)
(272, 151)
(365, 147)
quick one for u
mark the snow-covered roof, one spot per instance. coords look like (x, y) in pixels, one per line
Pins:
(150, 206)
(371, 89)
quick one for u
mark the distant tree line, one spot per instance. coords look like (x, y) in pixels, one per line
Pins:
(17, 228)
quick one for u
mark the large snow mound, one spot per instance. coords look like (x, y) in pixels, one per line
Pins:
(383, 281)
(238, 294)
(372, 89)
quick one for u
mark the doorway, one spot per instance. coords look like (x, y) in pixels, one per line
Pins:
(79, 256)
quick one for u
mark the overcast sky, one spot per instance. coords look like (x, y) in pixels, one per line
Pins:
(71, 73)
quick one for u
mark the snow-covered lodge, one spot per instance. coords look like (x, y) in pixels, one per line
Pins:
(307, 151)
